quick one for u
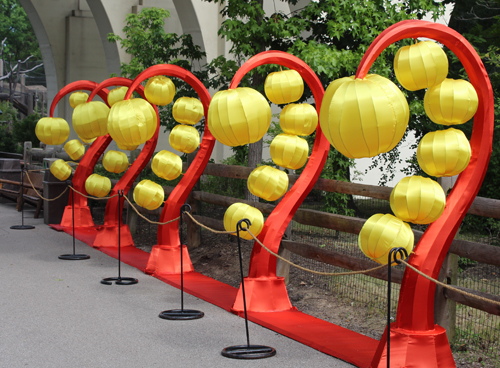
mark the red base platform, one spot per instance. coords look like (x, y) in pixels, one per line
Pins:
(165, 259)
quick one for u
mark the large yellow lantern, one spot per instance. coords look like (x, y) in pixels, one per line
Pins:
(444, 152)
(421, 65)
(116, 95)
(90, 119)
(160, 90)
(299, 119)
(451, 102)
(289, 151)
(418, 200)
(52, 131)
(381, 233)
(127, 147)
(184, 138)
(167, 165)
(78, 98)
(238, 116)
(149, 194)
(240, 211)
(364, 117)
(115, 161)
(284, 86)
(60, 169)
(132, 122)
(268, 183)
(75, 149)
(97, 185)
(187, 110)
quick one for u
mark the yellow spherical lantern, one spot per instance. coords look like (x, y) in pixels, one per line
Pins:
(115, 161)
(78, 98)
(75, 149)
(184, 138)
(116, 95)
(52, 131)
(238, 116)
(90, 119)
(149, 194)
(187, 110)
(284, 86)
(60, 169)
(289, 151)
(299, 119)
(97, 185)
(127, 147)
(418, 200)
(381, 233)
(160, 90)
(167, 165)
(364, 117)
(421, 65)
(132, 122)
(451, 102)
(240, 211)
(87, 141)
(268, 183)
(444, 152)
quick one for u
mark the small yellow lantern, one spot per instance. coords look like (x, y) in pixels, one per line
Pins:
(240, 211)
(115, 161)
(126, 147)
(289, 151)
(116, 95)
(75, 149)
(52, 131)
(149, 195)
(87, 141)
(60, 169)
(187, 110)
(444, 152)
(299, 119)
(184, 138)
(284, 86)
(364, 117)
(421, 65)
(167, 165)
(97, 185)
(78, 98)
(268, 183)
(90, 119)
(451, 102)
(238, 116)
(160, 90)
(381, 233)
(418, 200)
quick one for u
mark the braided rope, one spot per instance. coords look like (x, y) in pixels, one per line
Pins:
(148, 220)
(208, 228)
(38, 194)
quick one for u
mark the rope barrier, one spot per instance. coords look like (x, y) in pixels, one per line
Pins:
(38, 194)
(208, 228)
(148, 220)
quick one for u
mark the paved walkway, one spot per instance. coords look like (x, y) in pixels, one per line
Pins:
(55, 313)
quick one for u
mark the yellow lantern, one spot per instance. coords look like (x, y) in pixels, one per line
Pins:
(363, 117)
(160, 90)
(78, 98)
(127, 147)
(149, 195)
(97, 185)
(87, 141)
(75, 149)
(289, 151)
(132, 122)
(60, 169)
(90, 119)
(184, 138)
(284, 86)
(52, 131)
(187, 110)
(418, 200)
(381, 233)
(167, 165)
(451, 102)
(444, 152)
(116, 95)
(115, 161)
(268, 183)
(421, 65)
(240, 211)
(299, 119)
(238, 116)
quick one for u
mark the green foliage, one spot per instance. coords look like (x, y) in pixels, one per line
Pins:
(24, 131)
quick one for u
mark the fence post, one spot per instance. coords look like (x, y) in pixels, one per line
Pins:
(193, 231)
(27, 154)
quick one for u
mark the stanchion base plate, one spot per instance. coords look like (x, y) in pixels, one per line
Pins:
(73, 257)
(248, 352)
(181, 314)
(22, 227)
(119, 281)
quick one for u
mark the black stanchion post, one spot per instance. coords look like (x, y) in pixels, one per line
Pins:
(246, 351)
(21, 199)
(182, 314)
